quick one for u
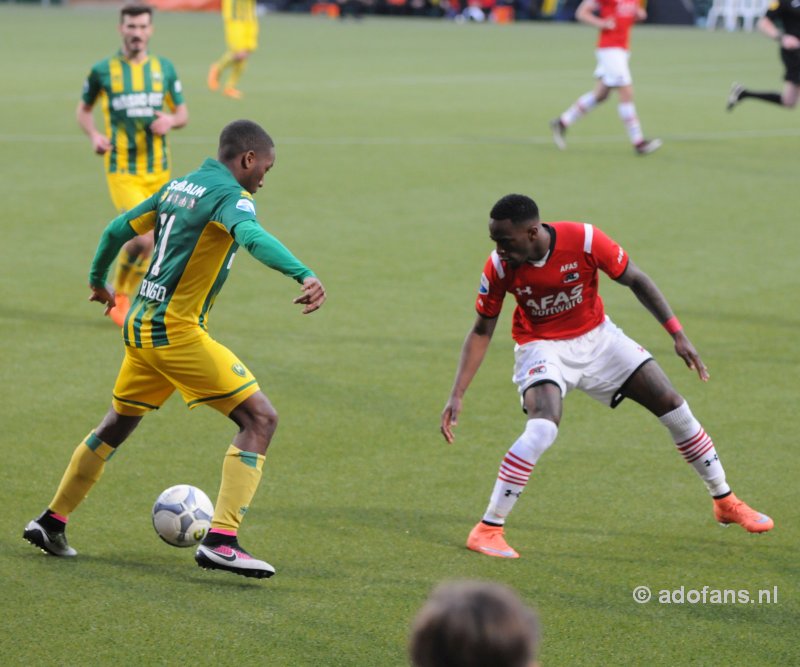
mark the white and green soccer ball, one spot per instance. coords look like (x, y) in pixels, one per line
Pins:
(182, 515)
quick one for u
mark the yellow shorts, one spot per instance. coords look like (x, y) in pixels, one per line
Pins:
(204, 371)
(241, 35)
(128, 190)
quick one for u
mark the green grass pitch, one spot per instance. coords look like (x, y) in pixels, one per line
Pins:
(394, 138)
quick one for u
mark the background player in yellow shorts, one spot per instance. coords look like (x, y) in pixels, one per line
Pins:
(142, 100)
(241, 38)
(200, 221)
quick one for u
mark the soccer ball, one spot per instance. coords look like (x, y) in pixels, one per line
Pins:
(182, 515)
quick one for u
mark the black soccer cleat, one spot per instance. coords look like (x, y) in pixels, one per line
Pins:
(51, 542)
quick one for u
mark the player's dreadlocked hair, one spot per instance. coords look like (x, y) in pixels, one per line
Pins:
(241, 136)
(517, 208)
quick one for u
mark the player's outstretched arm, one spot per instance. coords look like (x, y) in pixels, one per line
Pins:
(313, 295)
(654, 300)
(768, 28)
(472, 353)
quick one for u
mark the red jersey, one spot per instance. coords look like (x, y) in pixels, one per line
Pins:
(624, 14)
(556, 297)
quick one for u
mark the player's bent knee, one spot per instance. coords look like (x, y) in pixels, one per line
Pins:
(115, 427)
(257, 414)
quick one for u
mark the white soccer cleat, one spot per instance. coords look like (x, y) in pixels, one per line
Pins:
(232, 558)
(559, 130)
(647, 146)
(734, 96)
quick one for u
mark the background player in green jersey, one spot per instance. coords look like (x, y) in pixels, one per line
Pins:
(135, 90)
(200, 221)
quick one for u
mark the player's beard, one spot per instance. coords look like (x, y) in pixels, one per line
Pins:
(136, 46)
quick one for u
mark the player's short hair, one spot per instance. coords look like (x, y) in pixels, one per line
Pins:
(517, 208)
(241, 136)
(474, 624)
(135, 9)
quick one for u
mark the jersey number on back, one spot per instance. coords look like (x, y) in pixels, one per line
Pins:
(166, 228)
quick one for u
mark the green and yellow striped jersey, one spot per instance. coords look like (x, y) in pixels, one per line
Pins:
(130, 94)
(239, 10)
(194, 220)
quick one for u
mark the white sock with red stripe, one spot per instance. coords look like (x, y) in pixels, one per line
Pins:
(584, 105)
(627, 112)
(697, 448)
(517, 466)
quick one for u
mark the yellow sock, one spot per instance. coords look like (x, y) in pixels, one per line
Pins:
(225, 61)
(241, 473)
(122, 272)
(84, 469)
(237, 69)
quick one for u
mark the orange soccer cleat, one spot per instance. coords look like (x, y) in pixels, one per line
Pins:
(213, 77)
(233, 93)
(118, 312)
(489, 540)
(730, 510)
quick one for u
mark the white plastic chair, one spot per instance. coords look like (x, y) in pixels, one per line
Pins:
(751, 11)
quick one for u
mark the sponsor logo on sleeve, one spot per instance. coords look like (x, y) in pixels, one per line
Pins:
(246, 205)
(484, 286)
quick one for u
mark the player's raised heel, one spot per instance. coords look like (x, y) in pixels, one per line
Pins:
(232, 558)
(730, 510)
(489, 540)
(52, 543)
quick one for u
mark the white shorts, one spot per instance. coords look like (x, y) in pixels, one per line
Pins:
(598, 363)
(612, 67)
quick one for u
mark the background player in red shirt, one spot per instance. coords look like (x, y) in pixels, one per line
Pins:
(566, 341)
(614, 18)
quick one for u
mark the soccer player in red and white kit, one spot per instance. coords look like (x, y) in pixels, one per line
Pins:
(564, 341)
(614, 18)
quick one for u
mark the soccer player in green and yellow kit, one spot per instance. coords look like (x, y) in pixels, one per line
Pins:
(200, 220)
(241, 37)
(141, 98)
